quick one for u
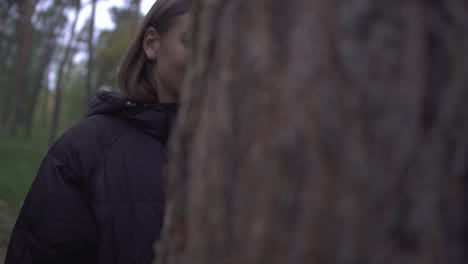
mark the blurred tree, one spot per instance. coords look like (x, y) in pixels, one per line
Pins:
(46, 23)
(60, 74)
(24, 50)
(52, 20)
(44, 107)
(134, 6)
(74, 96)
(90, 67)
(322, 131)
(7, 39)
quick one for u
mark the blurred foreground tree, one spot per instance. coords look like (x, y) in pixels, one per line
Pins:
(322, 131)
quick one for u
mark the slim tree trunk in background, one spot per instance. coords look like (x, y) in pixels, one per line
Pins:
(60, 76)
(47, 53)
(89, 76)
(44, 105)
(24, 52)
(53, 25)
(5, 70)
(135, 5)
(9, 90)
(322, 131)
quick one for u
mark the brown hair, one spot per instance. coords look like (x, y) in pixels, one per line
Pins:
(136, 78)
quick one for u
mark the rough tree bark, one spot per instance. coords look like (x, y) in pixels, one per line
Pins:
(322, 131)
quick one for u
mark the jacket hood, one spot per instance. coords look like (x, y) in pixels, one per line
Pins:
(154, 119)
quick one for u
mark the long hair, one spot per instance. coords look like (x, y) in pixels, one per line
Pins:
(136, 77)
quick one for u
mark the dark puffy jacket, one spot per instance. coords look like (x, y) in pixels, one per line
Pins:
(98, 195)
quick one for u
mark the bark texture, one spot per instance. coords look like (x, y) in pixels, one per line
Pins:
(322, 131)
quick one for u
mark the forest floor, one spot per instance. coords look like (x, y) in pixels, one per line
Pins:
(20, 159)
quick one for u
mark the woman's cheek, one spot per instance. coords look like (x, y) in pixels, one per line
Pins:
(182, 59)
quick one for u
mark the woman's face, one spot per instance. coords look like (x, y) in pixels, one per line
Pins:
(170, 57)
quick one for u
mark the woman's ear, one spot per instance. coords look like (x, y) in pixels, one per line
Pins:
(151, 43)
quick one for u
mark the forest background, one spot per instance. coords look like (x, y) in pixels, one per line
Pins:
(54, 56)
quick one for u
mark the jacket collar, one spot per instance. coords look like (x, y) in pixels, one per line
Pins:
(154, 119)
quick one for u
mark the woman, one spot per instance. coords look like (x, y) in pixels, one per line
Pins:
(98, 195)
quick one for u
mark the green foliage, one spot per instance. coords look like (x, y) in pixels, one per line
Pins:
(112, 46)
(19, 160)
(121, 16)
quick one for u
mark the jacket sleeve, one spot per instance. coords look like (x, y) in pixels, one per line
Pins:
(55, 223)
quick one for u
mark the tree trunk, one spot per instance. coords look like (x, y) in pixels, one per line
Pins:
(89, 78)
(135, 5)
(7, 71)
(53, 25)
(7, 42)
(322, 131)
(24, 52)
(60, 76)
(44, 106)
(47, 53)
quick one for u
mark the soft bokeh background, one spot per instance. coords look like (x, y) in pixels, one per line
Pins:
(51, 63)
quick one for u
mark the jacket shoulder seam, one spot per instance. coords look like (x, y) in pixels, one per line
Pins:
(52, 152)
(106, 151)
